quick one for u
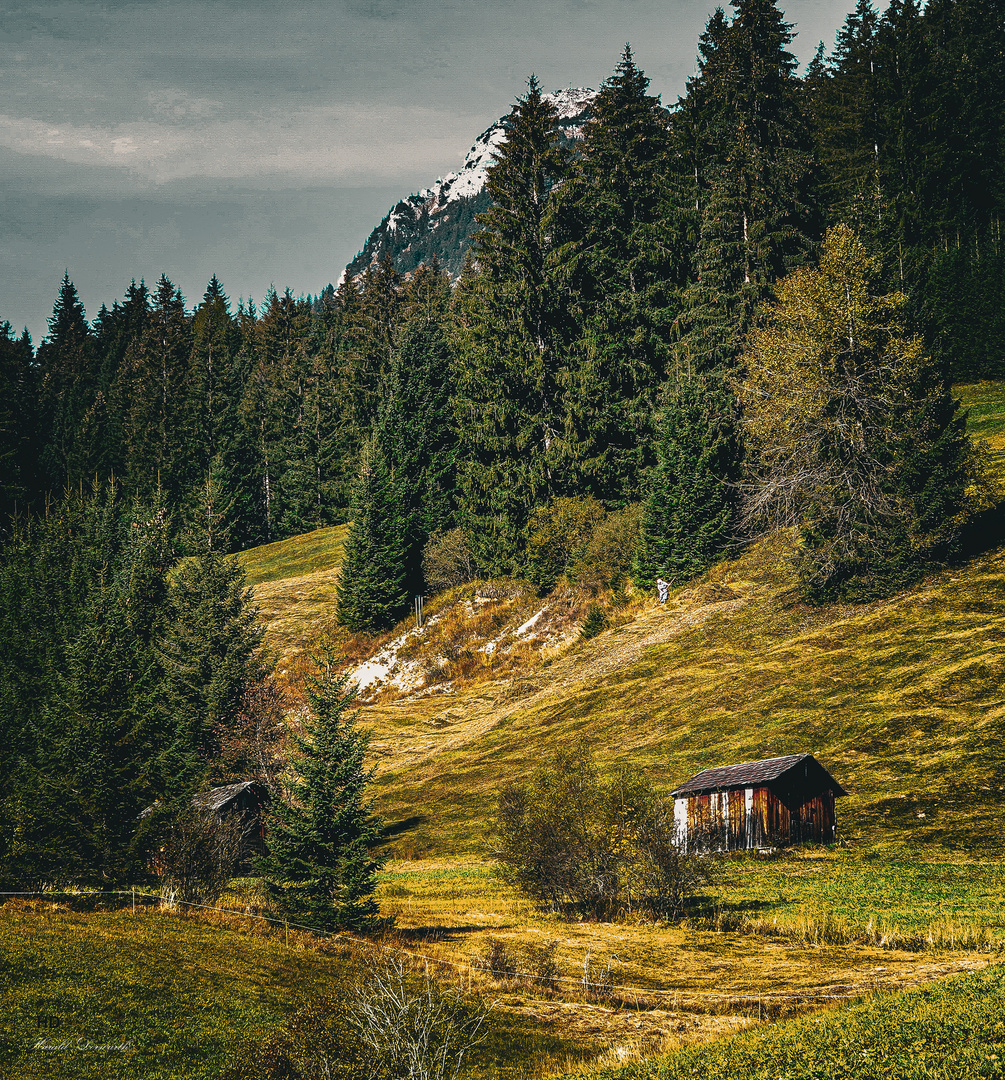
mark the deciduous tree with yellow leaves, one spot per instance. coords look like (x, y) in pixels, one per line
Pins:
(852, 433)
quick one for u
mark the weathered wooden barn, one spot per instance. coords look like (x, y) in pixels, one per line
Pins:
(758, 805)
(245, 801)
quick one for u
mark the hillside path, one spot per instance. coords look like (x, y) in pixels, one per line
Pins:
(425, 726)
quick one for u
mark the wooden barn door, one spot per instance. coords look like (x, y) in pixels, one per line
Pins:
(736, 839)
(759, 826)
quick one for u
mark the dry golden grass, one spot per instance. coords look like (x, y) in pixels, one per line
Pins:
(294, 585)
(673, 985)
(901, 699)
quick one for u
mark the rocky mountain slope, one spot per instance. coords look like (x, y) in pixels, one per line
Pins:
(440, 219)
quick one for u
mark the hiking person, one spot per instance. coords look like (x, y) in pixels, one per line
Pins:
(662, 589)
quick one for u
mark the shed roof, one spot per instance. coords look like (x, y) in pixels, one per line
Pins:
(725, 777)
(218, 797)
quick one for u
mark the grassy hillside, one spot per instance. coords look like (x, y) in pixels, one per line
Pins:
(298, 556)
(952, 1030)
(294, 583)
(985, 405)
(121, 995)
(903, 700)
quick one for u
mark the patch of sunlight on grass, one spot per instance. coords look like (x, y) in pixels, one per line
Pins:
(320, 550)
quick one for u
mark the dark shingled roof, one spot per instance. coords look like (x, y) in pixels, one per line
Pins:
(752, 773)
(220, 796)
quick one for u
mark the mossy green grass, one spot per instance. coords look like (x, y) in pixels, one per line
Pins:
(117, 995)
(955, 1029)
(307, 553)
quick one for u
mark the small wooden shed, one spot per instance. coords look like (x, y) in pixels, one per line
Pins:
(246, 801)
(758, 805)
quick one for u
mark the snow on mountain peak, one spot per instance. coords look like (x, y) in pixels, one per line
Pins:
(469, 179)
(424, 211)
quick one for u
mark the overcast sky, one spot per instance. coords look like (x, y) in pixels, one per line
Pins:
(261, 140)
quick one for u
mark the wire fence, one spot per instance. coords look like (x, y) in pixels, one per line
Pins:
(582, 983)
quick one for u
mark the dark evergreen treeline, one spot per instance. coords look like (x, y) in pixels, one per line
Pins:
(127, 682)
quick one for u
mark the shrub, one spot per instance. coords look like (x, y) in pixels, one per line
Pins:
(596, 622)
(574, 844)
(553, 843)
(661, 875)
(197, 857)
(412, 1028)
(496, 960)
(447, 561)
(606, 559)
(559, 534)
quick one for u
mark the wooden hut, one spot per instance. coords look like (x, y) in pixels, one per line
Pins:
(245, 801)
(758, 805)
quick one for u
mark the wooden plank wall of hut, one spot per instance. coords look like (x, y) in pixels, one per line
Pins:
(814, 820)
(765, 816)
(736, 838)
(699, 818)
(721, 822)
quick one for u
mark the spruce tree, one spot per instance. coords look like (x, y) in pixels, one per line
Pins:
(689, 512)
(845, 113)
(742, 132)
(210, 411)
(67, 389)
(628, 251)
(207, 654)
(416, 423)
(275, 355)
(371, 587)
(513, 313)
(156, 454)
(120, 335)
(366, 327)
(81, 603)
(320, 866)
(18, 425)
(752, 152)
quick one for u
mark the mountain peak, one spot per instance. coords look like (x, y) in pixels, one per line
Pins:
(440, 219)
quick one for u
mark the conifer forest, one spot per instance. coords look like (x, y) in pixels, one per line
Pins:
(737, 312)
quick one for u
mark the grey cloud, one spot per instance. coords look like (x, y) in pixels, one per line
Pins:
(262, 139)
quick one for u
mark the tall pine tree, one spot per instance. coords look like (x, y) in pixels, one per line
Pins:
(416, 423)
(689, 512)
(207, 654)
(513, 310)
(744, 135)
(321, 866)
(371, 587)
(67, 390)
(628, 252)
(18, 425)
(856, 438)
